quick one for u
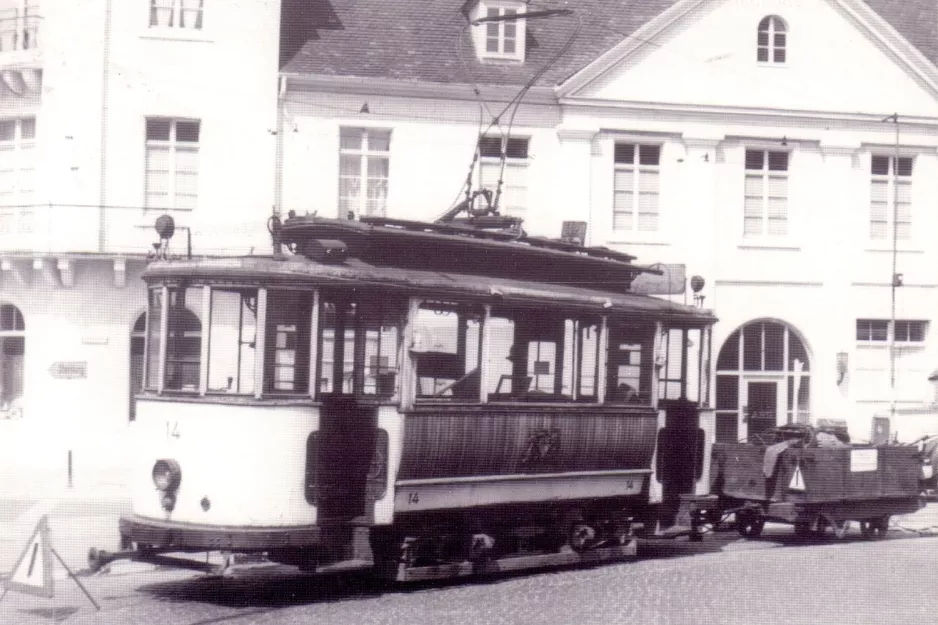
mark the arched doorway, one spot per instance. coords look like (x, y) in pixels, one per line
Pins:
(761, 368)
(12, 355)
(138, 341)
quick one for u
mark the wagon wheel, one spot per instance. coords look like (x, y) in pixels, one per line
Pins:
(840, 527)
(875, 528)
(749, 523)
(581, 537)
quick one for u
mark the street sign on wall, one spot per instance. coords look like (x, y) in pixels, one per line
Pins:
(73, 370)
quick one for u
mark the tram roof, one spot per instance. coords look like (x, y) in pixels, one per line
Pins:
(299, 271)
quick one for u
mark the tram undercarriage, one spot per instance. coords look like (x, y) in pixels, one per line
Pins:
(418, 547)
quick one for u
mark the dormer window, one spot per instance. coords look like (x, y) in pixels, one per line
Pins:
(498, 35)
(772, 40)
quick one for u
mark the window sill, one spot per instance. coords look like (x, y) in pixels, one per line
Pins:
(636, 238)
(900, 249)
(781, 246)
(176, 34)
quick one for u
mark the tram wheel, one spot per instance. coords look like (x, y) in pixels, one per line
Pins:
(581, 537)
(749, 523)
(872, 529)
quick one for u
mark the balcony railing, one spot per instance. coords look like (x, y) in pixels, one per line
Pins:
(42, 229)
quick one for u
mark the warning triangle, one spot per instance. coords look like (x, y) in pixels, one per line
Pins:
(797, 482)
(33, 571)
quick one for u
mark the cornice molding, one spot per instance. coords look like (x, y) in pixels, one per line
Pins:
(411, 89)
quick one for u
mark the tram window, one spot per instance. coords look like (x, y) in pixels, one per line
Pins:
(629, 363)
(446, 352)
(184, 339)
(533, 357)
(231, 341)
(368, 352)
(286, 363)
(154, 338)
(588, 337)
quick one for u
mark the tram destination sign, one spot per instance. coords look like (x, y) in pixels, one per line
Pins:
(73, 370)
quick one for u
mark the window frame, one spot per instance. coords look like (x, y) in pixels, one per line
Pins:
(906, 324)
(499, 31)
(17, 204)
(516, 170)
(177, 9)
(766, 175)
(11, 407)
(173, 147)
(894, 180)
(639, 171)
(357, 205)
(25, 20)
(776, 54)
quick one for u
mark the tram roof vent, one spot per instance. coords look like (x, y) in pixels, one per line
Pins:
(326, 251)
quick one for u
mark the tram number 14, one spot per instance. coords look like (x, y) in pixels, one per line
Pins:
(413, 498)
(172, 429)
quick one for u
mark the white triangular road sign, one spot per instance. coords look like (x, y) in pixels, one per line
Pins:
(797, 482)
(33, 571)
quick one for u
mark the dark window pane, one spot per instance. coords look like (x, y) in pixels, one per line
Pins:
(517, 148)
(779, 40)
(879, 165)
(754, 159)
(774, 347)
(879, 330)
(140, 325)
(490, 146)
(728, 359)
(649, 154)
(917, 330)
(797, 351)
(905, 166)
(187, 131)
(727, 427)
(780, 55)
(752, 347)
(763, 39)
(158, 129)
(779, 25)
(762, 55)
(764, 24)
(863, 330)
(778, 161)
(727, 392)
(625, 153)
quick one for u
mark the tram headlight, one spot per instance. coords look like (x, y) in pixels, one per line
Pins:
(166, 475)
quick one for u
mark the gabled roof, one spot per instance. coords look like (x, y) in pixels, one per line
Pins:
(419, 40)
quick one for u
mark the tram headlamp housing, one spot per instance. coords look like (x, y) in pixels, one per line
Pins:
(166, 475)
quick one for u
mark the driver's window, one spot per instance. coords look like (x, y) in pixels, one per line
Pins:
(445, 352)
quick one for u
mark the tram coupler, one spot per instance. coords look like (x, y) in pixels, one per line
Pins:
(99, 558)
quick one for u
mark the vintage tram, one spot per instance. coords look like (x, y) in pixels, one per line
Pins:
(429, 400)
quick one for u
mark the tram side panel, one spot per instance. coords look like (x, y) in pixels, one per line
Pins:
(463, 458)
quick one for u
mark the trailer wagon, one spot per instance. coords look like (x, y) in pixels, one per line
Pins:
(795, 479)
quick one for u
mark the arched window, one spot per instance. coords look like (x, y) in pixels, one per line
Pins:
(12, 353)
(761, 368)
(771, 46)
(137, 344)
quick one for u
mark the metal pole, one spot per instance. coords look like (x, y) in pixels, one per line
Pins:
(891, 335)
(69, 468)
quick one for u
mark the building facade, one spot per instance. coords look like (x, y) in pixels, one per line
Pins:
(786, 151)
(112, 114)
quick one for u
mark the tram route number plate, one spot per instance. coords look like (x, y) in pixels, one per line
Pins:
(863, 460)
